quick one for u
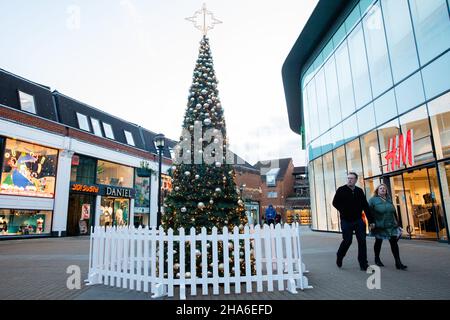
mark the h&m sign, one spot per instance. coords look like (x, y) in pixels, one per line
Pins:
(400, 151)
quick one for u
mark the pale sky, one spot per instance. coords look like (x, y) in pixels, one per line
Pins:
(135, 59)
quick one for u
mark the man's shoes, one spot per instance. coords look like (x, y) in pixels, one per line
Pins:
(400, 266)
(364, 267)
(339, 261)
(378, 262)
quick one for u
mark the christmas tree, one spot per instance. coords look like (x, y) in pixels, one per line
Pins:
(204, 191)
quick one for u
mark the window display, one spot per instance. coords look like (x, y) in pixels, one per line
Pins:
(113, 174)
(24, 222)
(114, 211)
(28, 170)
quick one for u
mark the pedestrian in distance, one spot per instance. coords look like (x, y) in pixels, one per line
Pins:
(386, 225)
(270, 215)
(350, 201)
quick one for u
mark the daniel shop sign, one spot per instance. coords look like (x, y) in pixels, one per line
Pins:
(400, 151)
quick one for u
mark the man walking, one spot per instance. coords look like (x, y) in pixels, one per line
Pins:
(350, 201)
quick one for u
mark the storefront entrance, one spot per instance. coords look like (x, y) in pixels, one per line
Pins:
(417, 197)
(114, 211)
(81, 214)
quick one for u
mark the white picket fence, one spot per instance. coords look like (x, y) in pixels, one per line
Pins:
(133, 258)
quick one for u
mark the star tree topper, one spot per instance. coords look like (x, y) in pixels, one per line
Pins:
(204, 20)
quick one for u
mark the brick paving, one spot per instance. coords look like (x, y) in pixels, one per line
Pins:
(36, 269)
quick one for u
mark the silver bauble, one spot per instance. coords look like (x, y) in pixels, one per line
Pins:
(183, 209)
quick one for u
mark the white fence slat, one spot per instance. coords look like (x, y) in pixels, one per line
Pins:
(126, 253)
(139, 257)
(258, 256)
(119, 258)
(182, 259)
(107, 255)
(215, 253)
(237, 267)
(226, 260)
(289, 257)
(161, 255)
(279, 256)
(268, 256)
(91, 245)
(113, 256)
(147, 248)
(204, 262)
(153, 250)
(170, 275)
(193, 269)
(248, 270)
(100, 256)
(133, 234)
(300, 260)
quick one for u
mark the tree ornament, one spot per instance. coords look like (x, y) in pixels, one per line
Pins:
(197, 176)
(177, 188)
(240, 202)
(201, 205)
(207, 122)
(183, 209)
(221, 266)
(218, 164)
(218, 190)
(187, 173)
(211, 201)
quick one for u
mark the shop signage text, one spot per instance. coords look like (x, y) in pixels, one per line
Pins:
(118, 192)
(84, 188)
(400, 151)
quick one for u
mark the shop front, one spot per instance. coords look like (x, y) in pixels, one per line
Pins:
(115, 206)
(252, 212)
(101, 194)
(27, 188)
(142, 199)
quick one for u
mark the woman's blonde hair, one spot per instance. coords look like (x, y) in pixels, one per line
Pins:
(375, 193)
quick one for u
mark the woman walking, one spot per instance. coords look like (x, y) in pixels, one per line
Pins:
(386, 225)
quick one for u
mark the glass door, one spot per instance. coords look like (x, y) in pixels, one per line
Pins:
(435, 204)
(399, 199)
(419, 202)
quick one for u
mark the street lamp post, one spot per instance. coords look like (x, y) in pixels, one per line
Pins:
(159, 143)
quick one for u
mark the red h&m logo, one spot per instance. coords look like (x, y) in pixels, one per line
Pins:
(400, 151)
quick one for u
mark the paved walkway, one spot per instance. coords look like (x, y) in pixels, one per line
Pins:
(36, 269)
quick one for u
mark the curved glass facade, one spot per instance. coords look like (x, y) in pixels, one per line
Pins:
(383, 74)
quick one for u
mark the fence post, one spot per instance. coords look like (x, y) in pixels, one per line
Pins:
(258, 256)
(182, 260)
(215, 240)
(237, 267)
(289, 234)
(248, 270)
(193, 269)
(226, 259)
(279, 256)
(268, 253)
(204, 263)
(170, 276)
(126, 245)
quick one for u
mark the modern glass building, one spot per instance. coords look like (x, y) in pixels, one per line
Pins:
(367, 85)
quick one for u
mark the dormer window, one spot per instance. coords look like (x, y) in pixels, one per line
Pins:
(96, 127)
(129, 138)
(108, 130)
(83, 123)
(27, 102)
